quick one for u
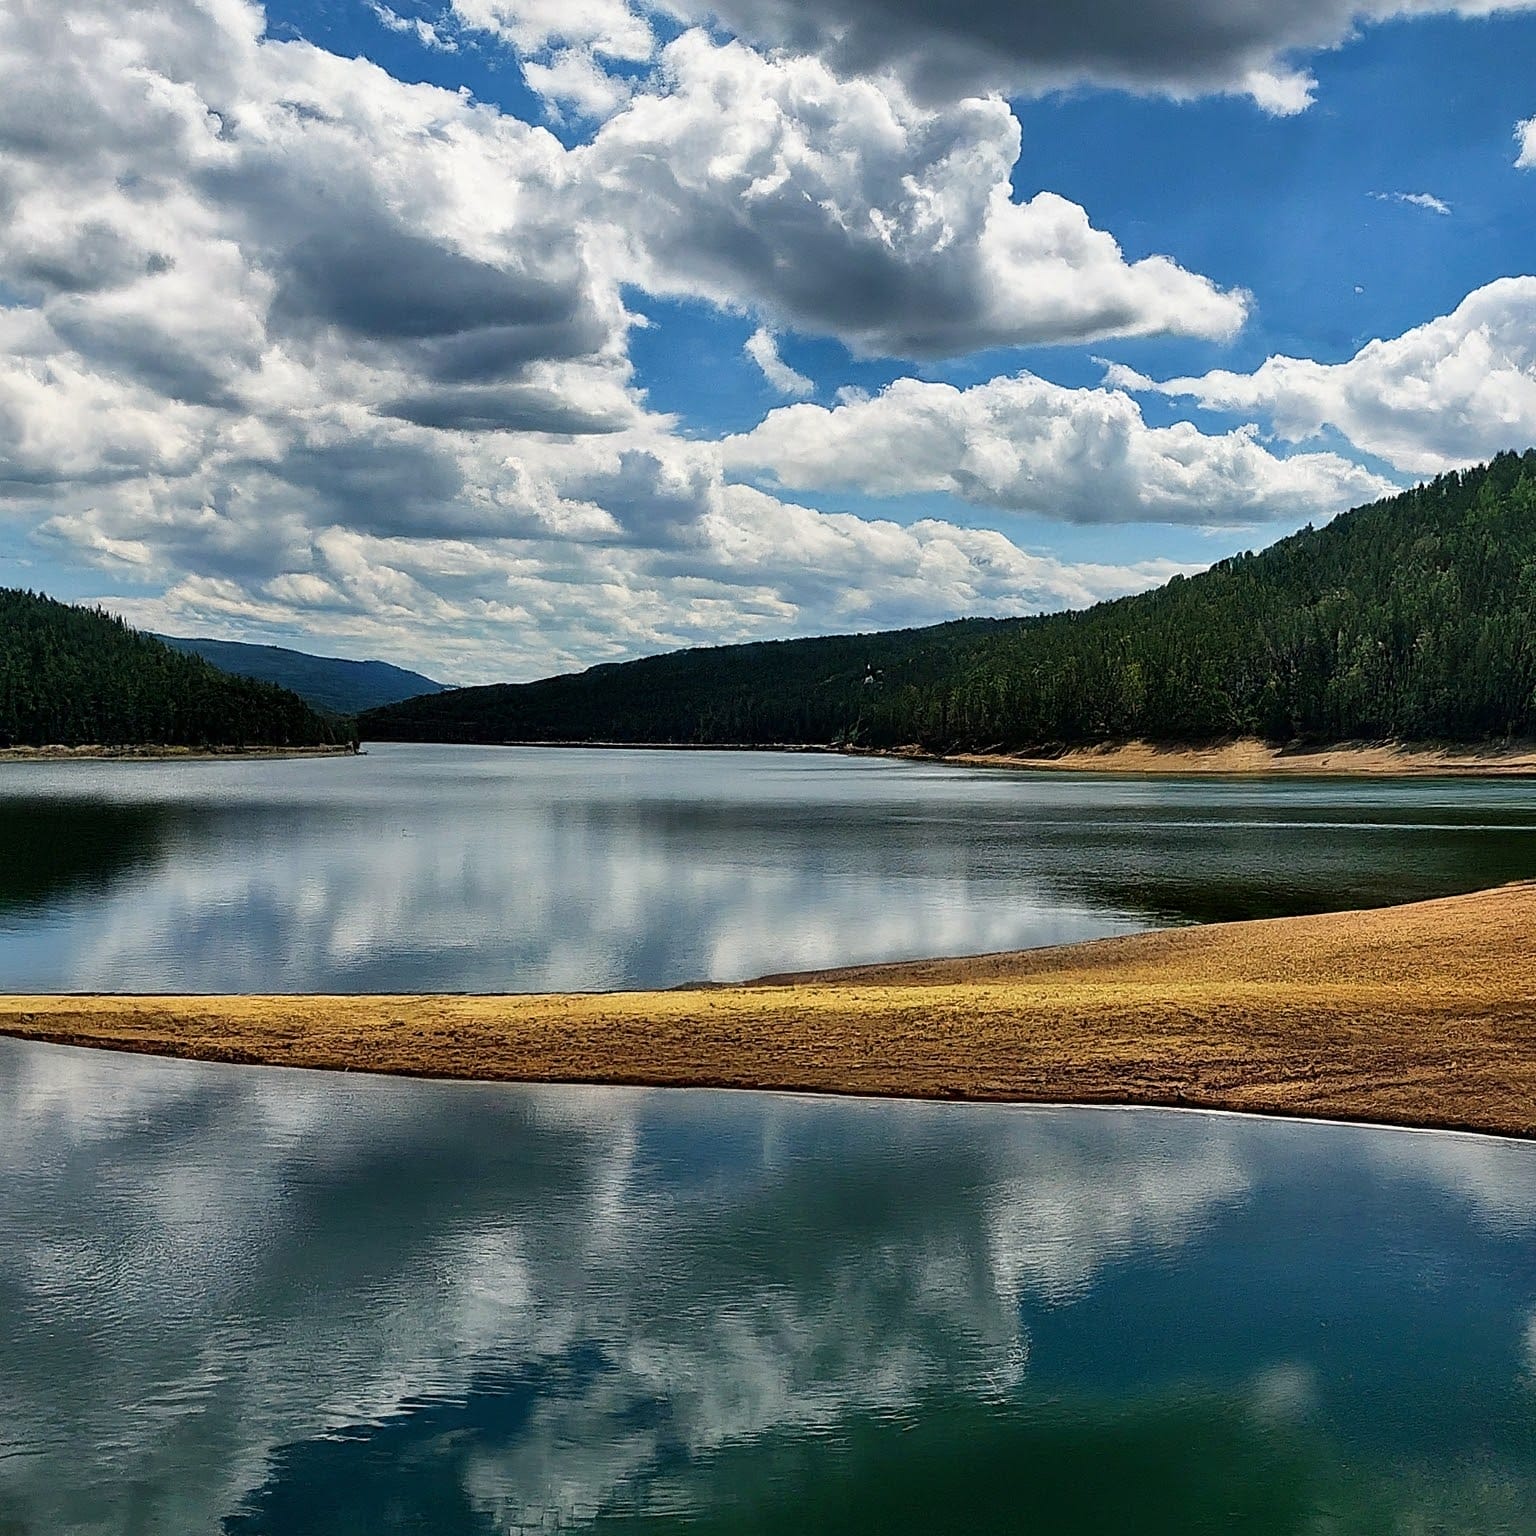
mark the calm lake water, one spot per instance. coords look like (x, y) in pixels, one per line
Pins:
(251, 1301)
(506, 869)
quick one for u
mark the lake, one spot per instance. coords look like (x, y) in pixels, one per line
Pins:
(518, 869)
(256, 1301)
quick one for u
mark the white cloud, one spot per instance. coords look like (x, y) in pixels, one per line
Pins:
(612, 28)
(425, 33)
(1178, 48)
(1525, 136)
(275, 229)
(566, 47)
(763, 349)
(574, 78)
(1084, 455)
(1445, 394)
(61, 424)
(841, 206)
(1279, 92)
(1425, 200)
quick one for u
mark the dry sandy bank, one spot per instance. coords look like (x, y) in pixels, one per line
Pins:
(1415, 1015)
(1389, 759)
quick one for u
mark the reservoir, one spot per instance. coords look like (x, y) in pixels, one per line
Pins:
(484, 869)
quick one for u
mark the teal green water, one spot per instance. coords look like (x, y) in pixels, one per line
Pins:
(495, 869)
(279, 1304)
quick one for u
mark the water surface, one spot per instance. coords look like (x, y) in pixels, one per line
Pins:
(254, 1301)
(514, 869)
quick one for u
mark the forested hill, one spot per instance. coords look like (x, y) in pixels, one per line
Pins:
(78, 677)
(1413, 619)
(327, 682)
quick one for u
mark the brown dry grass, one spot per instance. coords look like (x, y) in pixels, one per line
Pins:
(1416, 1015)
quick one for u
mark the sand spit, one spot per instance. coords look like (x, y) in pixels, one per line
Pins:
(1419, 1015)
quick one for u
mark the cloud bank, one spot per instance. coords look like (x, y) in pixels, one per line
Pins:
(1177, 48)
(1022, 443)
(291, 345)
(288, 345)
(840, 206)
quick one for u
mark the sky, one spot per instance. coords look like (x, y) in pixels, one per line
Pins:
(498, 338)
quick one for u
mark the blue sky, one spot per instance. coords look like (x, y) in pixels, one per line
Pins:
(439, 332)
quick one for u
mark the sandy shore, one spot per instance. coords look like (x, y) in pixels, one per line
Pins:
(1375, 759)
(1417, 1015)
(153, 754)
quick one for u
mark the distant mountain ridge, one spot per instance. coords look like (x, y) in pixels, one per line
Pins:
(73, 676)
(329, 683)
(1413, 619)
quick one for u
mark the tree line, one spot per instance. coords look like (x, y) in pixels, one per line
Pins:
(1410, 619)
(72, 676)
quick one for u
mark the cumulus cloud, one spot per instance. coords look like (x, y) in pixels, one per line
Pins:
(577, 54)
(763, 349)
(272, 225)
(1177, 48)
(612, 28)
(1180, 48)
(841, 206)
(1085, 455)
(1445, 394)
(1525, 136)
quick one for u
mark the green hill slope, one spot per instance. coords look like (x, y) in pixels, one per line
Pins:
(328, 683)
(78, 677)
(1412, 619)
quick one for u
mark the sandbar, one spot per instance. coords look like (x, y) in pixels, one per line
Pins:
(1418, 1015)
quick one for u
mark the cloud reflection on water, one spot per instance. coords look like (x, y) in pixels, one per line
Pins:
(559, 1294)
(483, 869)
(218, 1263)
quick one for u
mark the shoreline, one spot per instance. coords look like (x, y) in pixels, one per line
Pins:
(1248, 757)
(1243, 757)
(163, 754)
(1421, 1016)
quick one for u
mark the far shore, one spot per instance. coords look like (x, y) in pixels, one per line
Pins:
(157, 754)
(1245, 756)
(1421, 1015)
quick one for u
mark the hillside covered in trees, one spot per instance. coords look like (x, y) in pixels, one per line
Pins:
(1413, 619)
(329, 683)
(79, 677)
